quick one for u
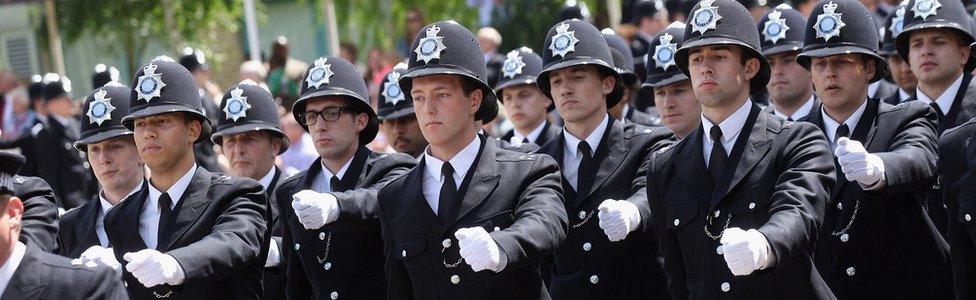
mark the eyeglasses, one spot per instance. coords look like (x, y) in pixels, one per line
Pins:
(330, 114)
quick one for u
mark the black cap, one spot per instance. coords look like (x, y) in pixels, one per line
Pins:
(393, 103)
(945, 14)
(104, 74)
(56, 86)
(647, 8)
(842, 27)
(782, 30)
(334, 76)
(723, 22)
(447, 48)
(894, 24)
(36, 88)
(104, 109)
(193, 59)
(626, 65)
(10, 164)
(573, 43)
(248, 107)
(661, 67)
(164, 86)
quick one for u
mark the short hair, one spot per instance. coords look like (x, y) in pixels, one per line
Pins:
(490, 34)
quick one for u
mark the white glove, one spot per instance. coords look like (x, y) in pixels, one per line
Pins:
(745, 251)
(274, 255)
(857, 164)
(618, 218)
(97, 255)
(153, 268)
(479, 250)
(315, 209)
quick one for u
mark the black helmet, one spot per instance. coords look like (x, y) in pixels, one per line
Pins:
(56, 86)
(36, 88)
(103, 112)
(193, 59)
(724, 22)
(447, 48)
(576, 11)
(164, 86)
(841, 27)
(248, 107)
(573, 43)
(661, 67)
(646, 8)
(935, 14)
(626, 65)
(782, 30)
(521, 66)
(104, 74)
(334, 76)
(894, 24)
(393, 103)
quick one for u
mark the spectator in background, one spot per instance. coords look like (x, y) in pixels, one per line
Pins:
(378, 65)
(284, 73)
(17, 116)
(350, 53)
(7, 83)
(415, 21)
(255, 71)
(489, 39)
(301, 153)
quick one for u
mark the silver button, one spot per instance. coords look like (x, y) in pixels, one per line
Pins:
(587, 247)
(676, 222)
(594, 279)
(334, 295)
(455, 279)
(840, 206)
(719, 250)
(497, 228)
(845, 237)
(322, 236)
(726, 287)
(752, 205)
(718, 213)
(969, 218)
(125, 283)
(403, 253)
(582, 215)
(327, 266)
(297, 246)
(850, 271)
(446, 243)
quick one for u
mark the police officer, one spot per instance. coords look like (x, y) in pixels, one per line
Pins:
(527, 107)
(104, 74)
(935, 42)
(25, 141)
(957, 153)
(790, 87)
(674, 97)
(40, 219)
(623, 61)
(331, 234)
(115, 161)
(471, 221)
(59, 163)
(195, 61)
(738, 203)
(190, 234)
(250, 137)
(898, 68)
(885, 157)
(398, 122)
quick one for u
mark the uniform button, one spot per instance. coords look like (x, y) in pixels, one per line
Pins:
(969, 217)
(840, 206)
(718, 213)
(334, 295)
(752, 205)
(322, 236)
(845, 237)
(726, 287)
(676, 222)
(327, 266)
(446, 243)
(497, 228)
(297, 246)
(582, 215)
(125, 283)
(594, 279)
(850, 271)
(455, 279)
(587, 247)
(403, 253)
(719, 250)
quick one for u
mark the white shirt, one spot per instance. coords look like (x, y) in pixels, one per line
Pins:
(532, 136)
(731, 127)
(323, 182)
(266, 180)
(461, 162)
(904, 95)
(803, 111)
(571, 155)
(873, 89)
(945, 100)
(149, 218)
(623, 114)
(830, 125)
(10, 266)
(106, 206)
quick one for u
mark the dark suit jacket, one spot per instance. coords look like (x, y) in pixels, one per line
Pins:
(351, 245)
(79, 229)
(42, 275)
(895, 250)
(549, 132)
(274, 278)
(636, 116)
(514, 196)
(885, 89)
(627, 269)
(779, 186)
(26, 143)
(40, 220)
(61, 165)
(216, 237)
(957, 150)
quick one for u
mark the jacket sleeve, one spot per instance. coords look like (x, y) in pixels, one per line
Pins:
(673, 263)
(398, 281)
(659, 139)
(910, 165)
(360, 203)
(40, 220)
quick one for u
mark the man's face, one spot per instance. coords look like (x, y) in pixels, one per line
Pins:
(62, 106)
(580, 92)
(936, 55)
(788, 81)
(164, 139)
(525, 105)
(251, 154)
(842, 80)
(404, 135)
(678, 107)
(718, 75)
(116, 162)
(443, 110)
(901, 72)
(334, 139)
(11, 215)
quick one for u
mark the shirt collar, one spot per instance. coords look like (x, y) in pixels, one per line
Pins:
(594, 139)
(176, 191)
(266, 180)
(801, 112)
(731, 125)
(532, 136)
(945, 100)
(461, 161)
(830, 125)
(873, 89)
(904, 95)
(10, 266)
(106, 206)
(328, 174)
(623, 114)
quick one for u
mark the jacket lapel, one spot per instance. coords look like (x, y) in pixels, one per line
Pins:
(130, 210)
(482, 183)
(194, 202)
(749, 154)
(355, 174)
(611, 152)
(85, 228)
(689, 163)
(26, 282)
(416, 203)
(959, 112)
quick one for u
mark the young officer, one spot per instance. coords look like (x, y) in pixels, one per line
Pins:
(790, 87)
(527, 107)
(397, 118)
(673, 95)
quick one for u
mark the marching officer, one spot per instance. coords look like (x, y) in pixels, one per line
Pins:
(194, 61)
(527, 107)
(737, 204)
(790, 87)
(885, 159)
(936, 43)
(331, 234)
(396, 116)
(114, 159)
(673, 95)
(603, 161)
(40, 216)
(104, 74)
(26, 140)
(58, 162)
(623, 61)
(190, 234)
(898, 68)
(957, 153)
(471, 221)
(250, 137)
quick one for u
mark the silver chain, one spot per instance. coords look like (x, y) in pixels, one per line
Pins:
(170, 293)
(857, 204)
(328, 245)
(447, 265)
(588, 216)
(716, 237)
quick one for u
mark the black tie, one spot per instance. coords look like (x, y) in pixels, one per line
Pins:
(525, 140)
(789, 119)
(719, 158)
(939, 114)
(334, 184)
(447, 204)
(586, 172)
(165, 209)
(842, 131)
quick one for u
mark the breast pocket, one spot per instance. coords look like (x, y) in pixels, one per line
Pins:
(683, 221)
(413, 253)
(750, 208)
(497, 221)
